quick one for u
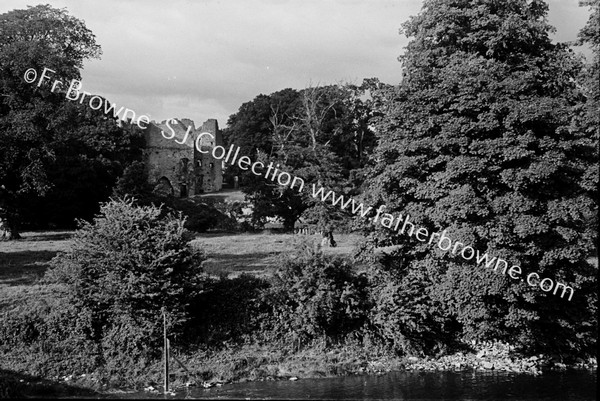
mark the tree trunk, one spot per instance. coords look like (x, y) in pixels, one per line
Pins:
(8, 228)
(289, 223)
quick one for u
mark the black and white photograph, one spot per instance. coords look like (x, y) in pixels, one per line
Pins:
(299, 199)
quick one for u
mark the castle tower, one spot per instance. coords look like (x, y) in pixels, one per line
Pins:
(175, 167)
(209, 171)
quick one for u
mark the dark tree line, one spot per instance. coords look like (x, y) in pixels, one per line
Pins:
(58, 158)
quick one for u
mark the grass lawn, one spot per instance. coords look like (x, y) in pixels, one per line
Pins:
(23, 262)
(258, 254)
(26, 260)
(223, 195)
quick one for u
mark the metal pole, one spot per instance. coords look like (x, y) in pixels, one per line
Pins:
(166, 350)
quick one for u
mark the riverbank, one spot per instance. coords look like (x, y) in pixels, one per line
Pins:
(256, 363)
(18, 385)
(253, 363)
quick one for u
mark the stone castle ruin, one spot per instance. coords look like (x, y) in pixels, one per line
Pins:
(175, 166)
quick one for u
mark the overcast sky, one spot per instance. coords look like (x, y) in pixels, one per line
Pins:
(202, 59)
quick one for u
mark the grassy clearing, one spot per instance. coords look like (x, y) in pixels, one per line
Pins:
(257, 254)
(224, 195)
(24, 262)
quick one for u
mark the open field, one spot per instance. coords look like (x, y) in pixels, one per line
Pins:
(258, 254)
(23, 262)
(223, 195)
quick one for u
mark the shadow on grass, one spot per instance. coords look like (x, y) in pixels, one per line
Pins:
(50, 236)
(19, 385)
(25, 267)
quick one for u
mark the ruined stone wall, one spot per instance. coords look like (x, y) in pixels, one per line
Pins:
(207, 166)
(176, 163)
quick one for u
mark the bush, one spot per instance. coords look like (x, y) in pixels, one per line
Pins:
(235, 219)
(316, 296)
(123, 269)
(47, 335)
(133, 182)
(404, 313)
(199, 217)
(228, 309)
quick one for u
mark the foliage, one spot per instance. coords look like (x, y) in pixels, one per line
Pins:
(52, 329)
(234, 218)
(320, 134)
(405, 314)
(587, 118)
(33, 38)
(478, 140)
(251, 129)
(227, 310)
(314, 296)
(54, 153)
(122, 270)
(133, 182)
(200, 216)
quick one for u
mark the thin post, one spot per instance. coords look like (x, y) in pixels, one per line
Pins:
(166, 350)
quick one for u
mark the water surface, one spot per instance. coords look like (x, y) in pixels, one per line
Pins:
(560, 386)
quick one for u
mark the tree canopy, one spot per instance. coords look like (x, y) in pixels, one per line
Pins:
(479, 140)
(53, 152)
(320, 134)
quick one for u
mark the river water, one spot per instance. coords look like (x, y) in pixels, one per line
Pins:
(563, 386)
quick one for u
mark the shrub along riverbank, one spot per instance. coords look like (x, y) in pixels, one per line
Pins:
(98, 323)
(253, 362)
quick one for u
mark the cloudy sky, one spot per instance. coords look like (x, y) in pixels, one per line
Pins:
(202, 59)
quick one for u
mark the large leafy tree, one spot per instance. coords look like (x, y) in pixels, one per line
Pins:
(478, 140)
(53, 151)
(90, 152)
(320, 134)
(258, 128)
(590, 78)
